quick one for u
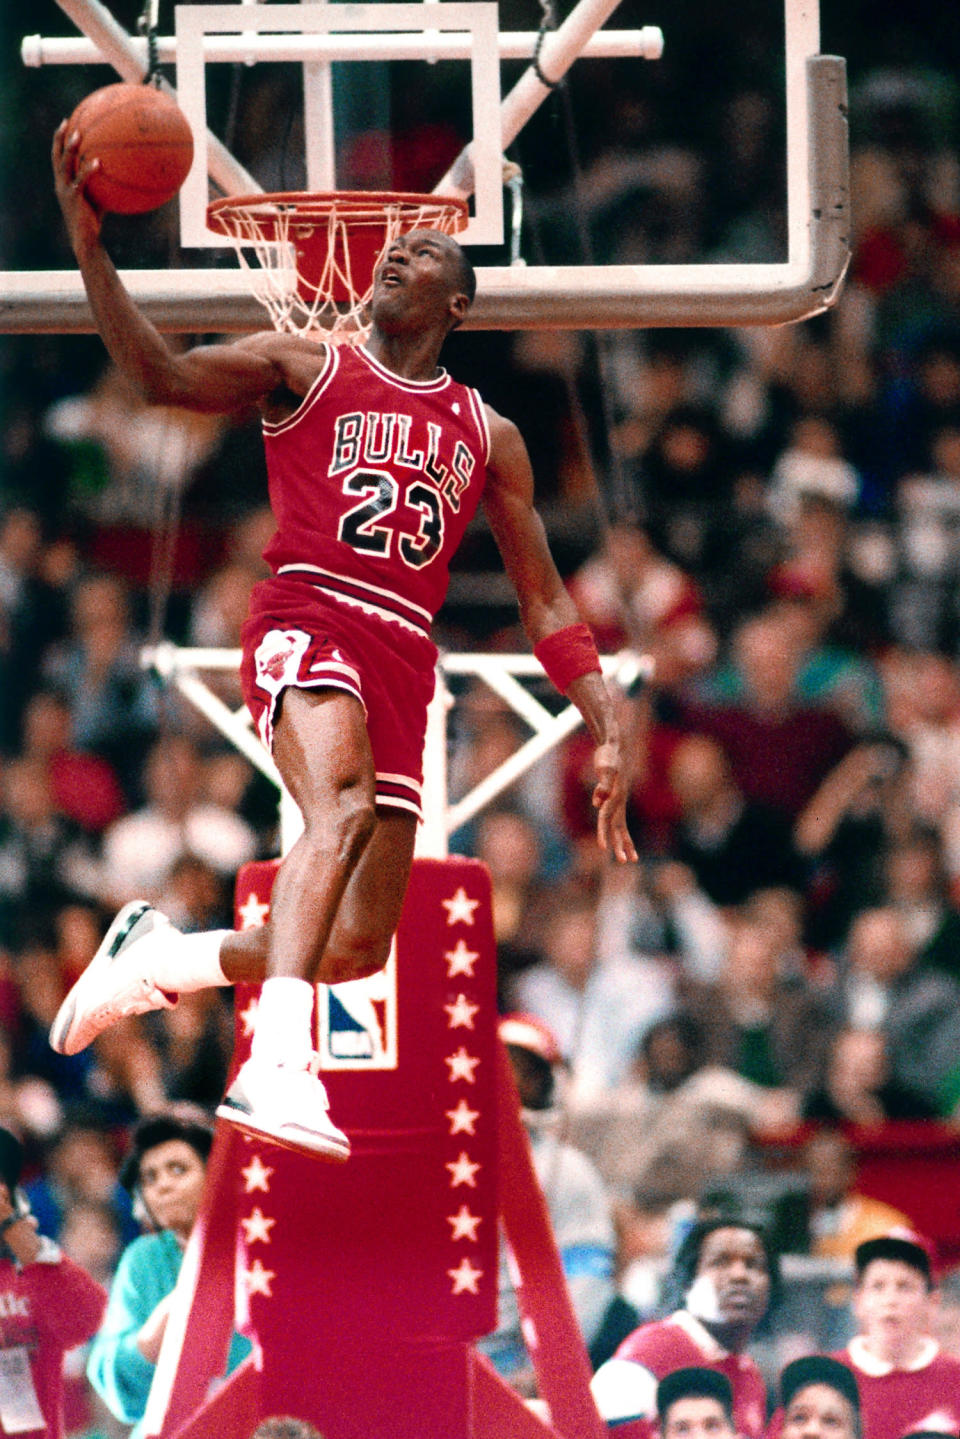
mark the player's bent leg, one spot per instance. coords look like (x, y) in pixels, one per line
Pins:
(323, 753)
(368, 915)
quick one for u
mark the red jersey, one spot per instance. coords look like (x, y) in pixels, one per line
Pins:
(373, 481)
(658, 1349)
(46, 1308)
(894, 1401)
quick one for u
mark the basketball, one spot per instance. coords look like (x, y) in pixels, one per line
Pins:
(143, 143)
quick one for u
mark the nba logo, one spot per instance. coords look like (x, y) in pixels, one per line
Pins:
(357, 1021)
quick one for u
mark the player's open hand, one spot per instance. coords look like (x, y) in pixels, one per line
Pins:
(70, 175)
(610, 802)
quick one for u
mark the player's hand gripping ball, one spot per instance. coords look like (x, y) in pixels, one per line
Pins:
(142, 142)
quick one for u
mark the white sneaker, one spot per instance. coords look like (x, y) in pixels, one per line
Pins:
(115, 984)
(286, 1105)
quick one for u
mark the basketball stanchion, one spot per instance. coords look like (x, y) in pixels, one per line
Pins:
(363, 1286)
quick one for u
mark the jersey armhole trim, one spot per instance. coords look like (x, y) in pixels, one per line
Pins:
(480, 418)
(327, 372)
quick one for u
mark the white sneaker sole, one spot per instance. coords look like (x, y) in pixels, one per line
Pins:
(286, 1136)
(62, 1031)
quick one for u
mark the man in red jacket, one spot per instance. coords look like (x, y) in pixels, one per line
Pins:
(904, 1378)
(725, 1272)
(47, 1306)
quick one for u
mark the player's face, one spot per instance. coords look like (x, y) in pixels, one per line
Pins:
(416, 282)
(819, 1412)
(892, 1303)
(171, 1182)
(733, 1264)
(697, 1419)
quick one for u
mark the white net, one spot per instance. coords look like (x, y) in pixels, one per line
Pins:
(310, 259)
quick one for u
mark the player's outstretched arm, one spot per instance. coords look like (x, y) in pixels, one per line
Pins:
(552, 623)
(215, 378)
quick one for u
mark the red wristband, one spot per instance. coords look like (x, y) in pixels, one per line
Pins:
(567, 654)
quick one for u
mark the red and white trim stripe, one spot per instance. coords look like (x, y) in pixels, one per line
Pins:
(479, 412)
(439, 382)
(399, 791)
(330, 366)
(373, 599)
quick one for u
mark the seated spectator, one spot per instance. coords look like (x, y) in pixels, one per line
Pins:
(841, 1218)
(818, 1395)
(779, 749)
(846, 829)
(112, 701)
(45, 860)
(695, 1404)
(725, 1273)
(676, 1121)
(905, 1380)
(629, 594)
(733, 845)
(858, 1088)
(510, 845)
(809, 594)
(50, 1305)
(768, 1027)
(577, 1201)
(165, 1172)
(83, 786)
(597, 1005)
(80, 1169)
(917, 886)
(881, 987)
(925, 689)
(140, 850)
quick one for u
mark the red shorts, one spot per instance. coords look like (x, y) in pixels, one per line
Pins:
(295, 636)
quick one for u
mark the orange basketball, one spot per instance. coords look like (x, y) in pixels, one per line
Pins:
(143, 142)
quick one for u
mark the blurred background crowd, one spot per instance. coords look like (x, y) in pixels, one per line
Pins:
(767, 1010)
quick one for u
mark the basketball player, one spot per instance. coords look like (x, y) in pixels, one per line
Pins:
(725, 1271)
(377, 460)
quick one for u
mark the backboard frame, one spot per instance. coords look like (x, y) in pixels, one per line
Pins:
(557, 296)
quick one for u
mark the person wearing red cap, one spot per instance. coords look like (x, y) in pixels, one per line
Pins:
(577, 1200)
(905, 1380)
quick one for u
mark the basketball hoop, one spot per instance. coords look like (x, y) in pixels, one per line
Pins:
(316, 253)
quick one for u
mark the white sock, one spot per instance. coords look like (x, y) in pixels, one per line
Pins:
(185, 962)
(283, 1031)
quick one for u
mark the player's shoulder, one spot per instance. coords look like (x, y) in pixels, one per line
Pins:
(498, 424)
(653, 1343)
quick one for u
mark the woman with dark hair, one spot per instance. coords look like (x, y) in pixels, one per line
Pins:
(164, 1172)
(725, 1274)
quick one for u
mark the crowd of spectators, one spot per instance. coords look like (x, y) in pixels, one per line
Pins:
(781, 534)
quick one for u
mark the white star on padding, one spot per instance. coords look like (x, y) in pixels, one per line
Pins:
(465, 1277)
(256, 1175)
(464, 1224)
(248, 1018)
(463, 1119)
(460, 907)
(461, 1013)
(259, 1280)
(253, 912)
(461, 1065)
(460, 960)
(257, 1226)
(463, 1170)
